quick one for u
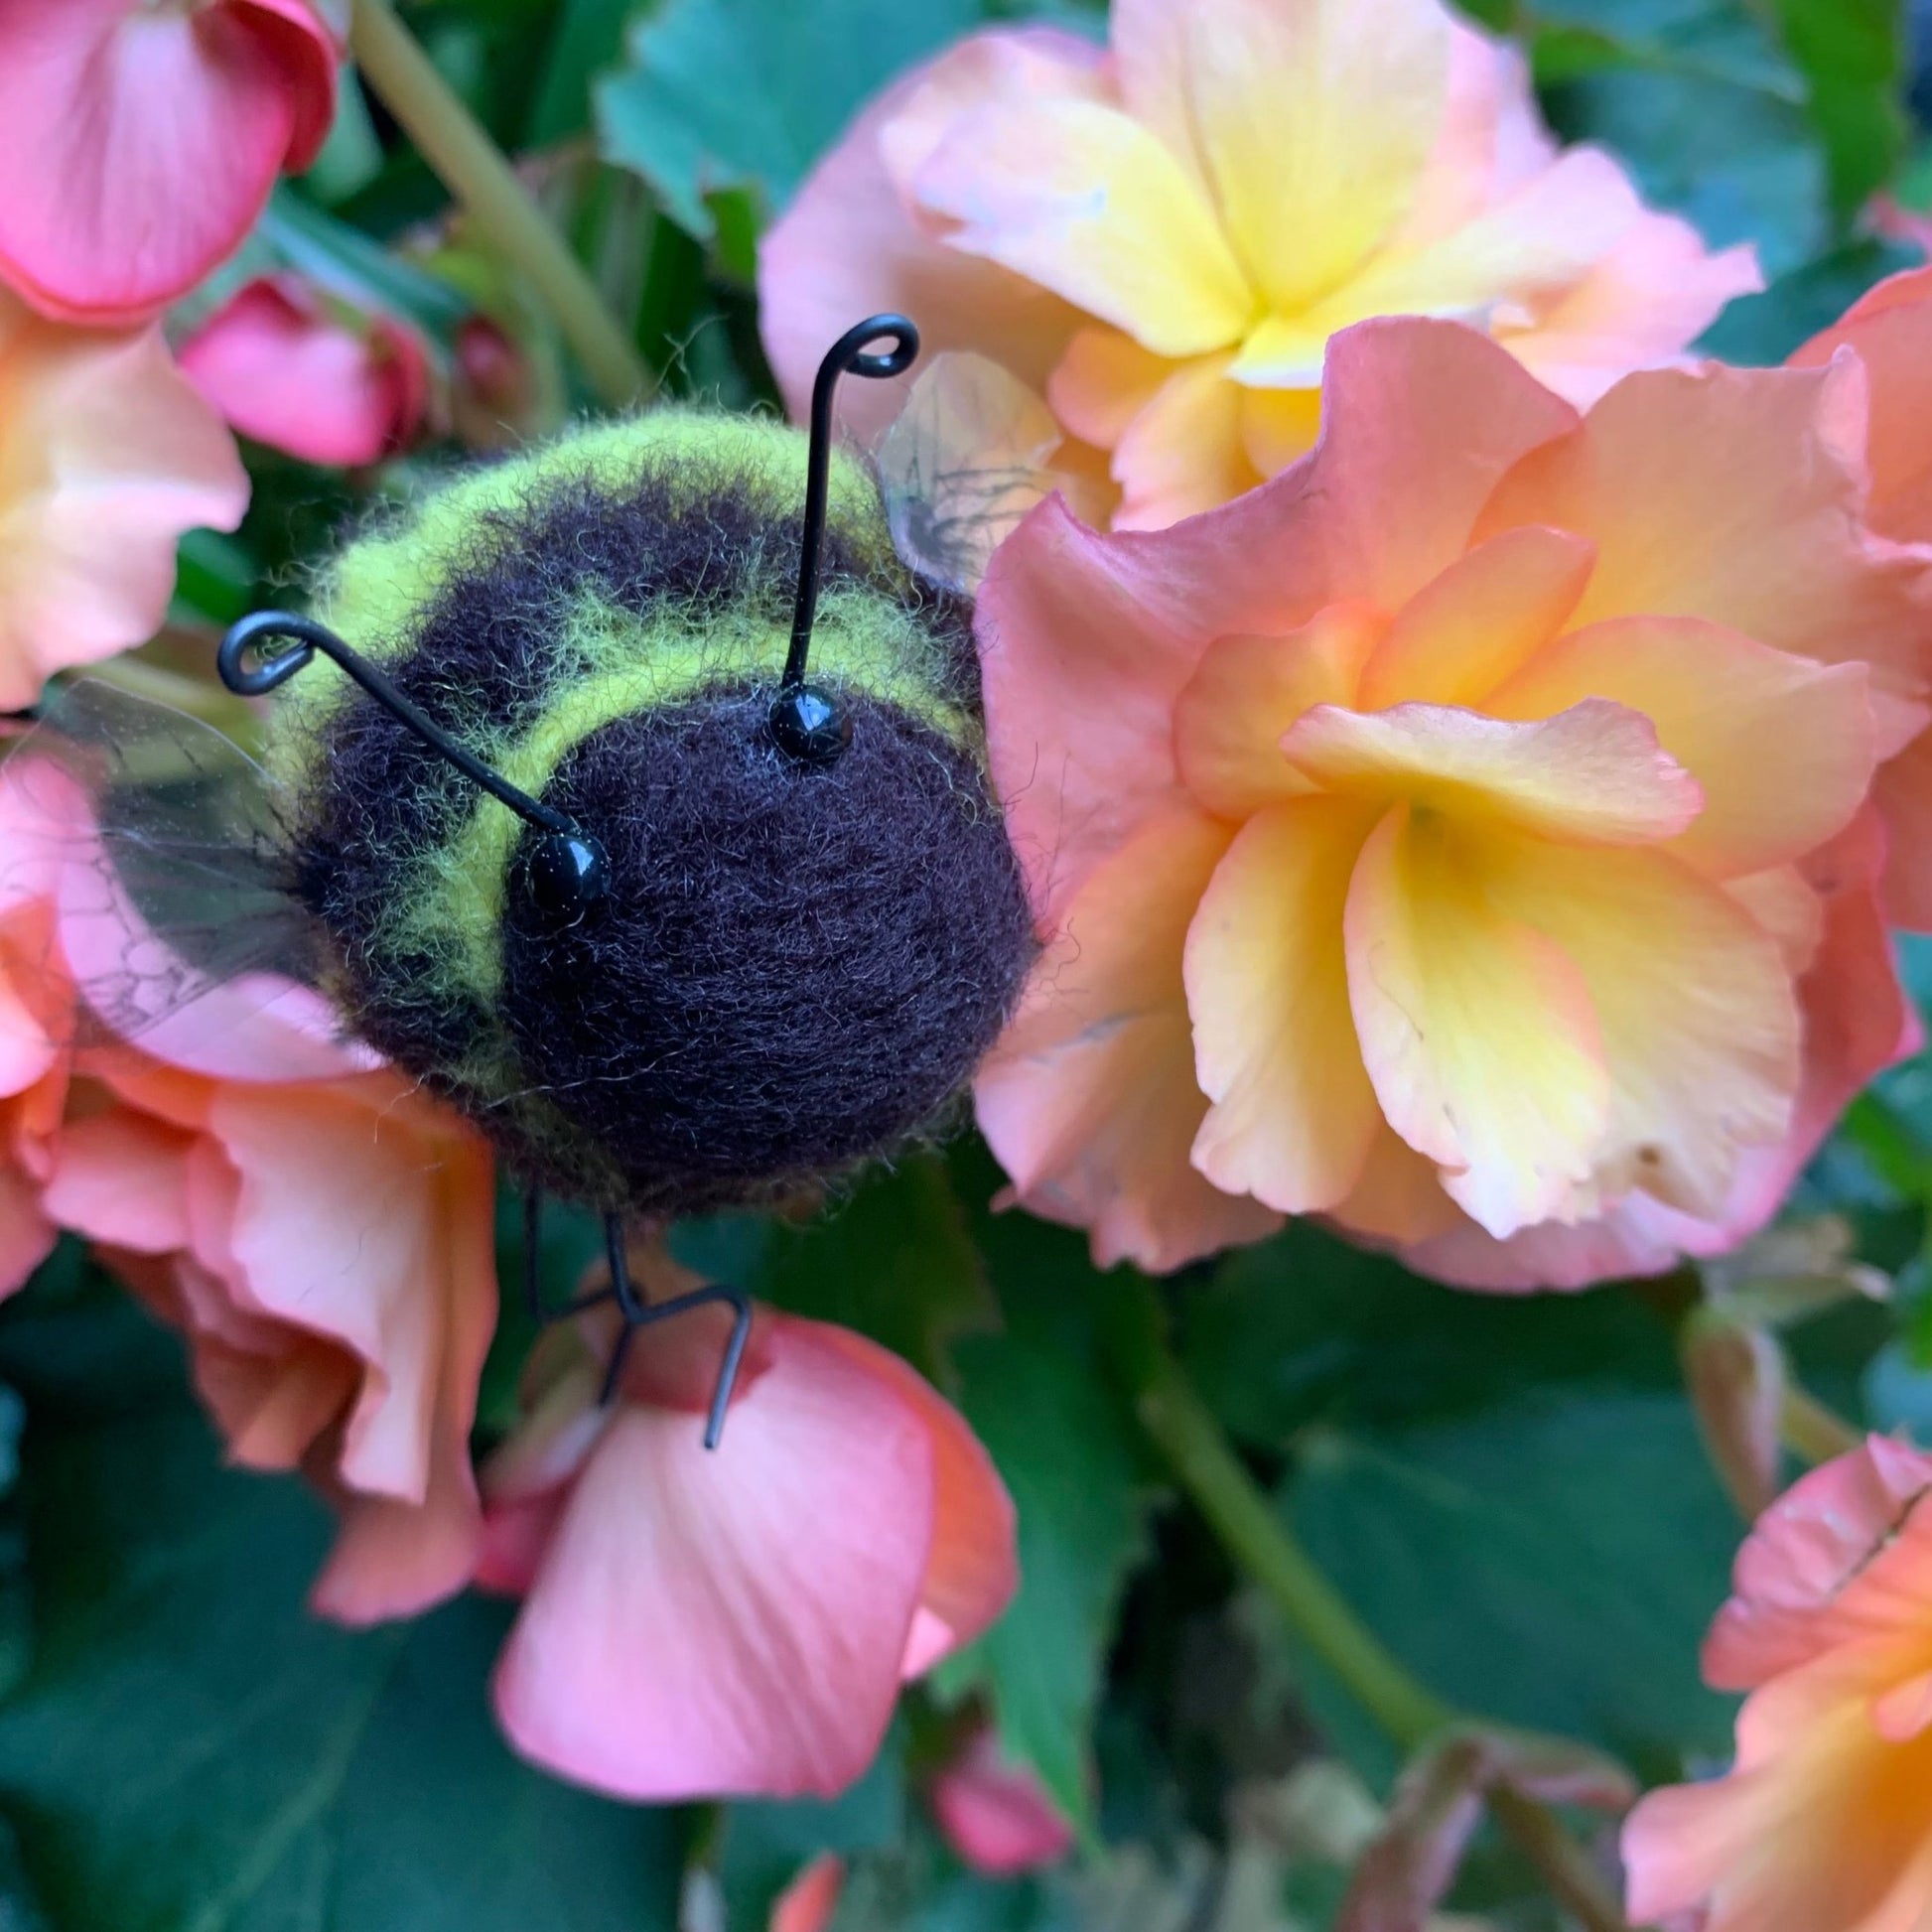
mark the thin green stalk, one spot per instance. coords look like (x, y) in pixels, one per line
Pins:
(1811, 1431)
(481, 180)
(1251, 1529)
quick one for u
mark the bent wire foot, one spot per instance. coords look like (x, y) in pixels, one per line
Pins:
(636, 1313)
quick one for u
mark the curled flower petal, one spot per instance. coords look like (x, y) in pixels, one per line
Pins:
(106, 456)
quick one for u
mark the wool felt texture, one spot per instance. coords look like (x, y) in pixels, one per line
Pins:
(795, 968)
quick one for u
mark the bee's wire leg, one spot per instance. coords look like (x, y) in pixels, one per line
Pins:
(640, 1315)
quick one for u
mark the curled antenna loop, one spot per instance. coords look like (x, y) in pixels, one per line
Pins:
(806, 723)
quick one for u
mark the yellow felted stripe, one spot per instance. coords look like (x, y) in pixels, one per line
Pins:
(383, 580)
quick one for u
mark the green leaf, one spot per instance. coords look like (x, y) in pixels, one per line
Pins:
(895, 1260)
(1305, 1328)
(191, 1753)
(732, 94)
(586, 38)
(1551, 1564)
(1763, 329)
(1040, 1400)
(1705, 106)
(1851, 54)
(767, 1845)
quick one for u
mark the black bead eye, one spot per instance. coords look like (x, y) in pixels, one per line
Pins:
(809, 726)
(566, 875)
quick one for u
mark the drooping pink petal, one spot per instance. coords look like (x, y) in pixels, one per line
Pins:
(1090, 1101)
(138, 143)
(284, 371)
(972, 1569)
(712, 1625)
(106, 456)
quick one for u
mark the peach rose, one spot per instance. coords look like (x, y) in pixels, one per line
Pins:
(1465, 836)
(1160, 237)
(1825, 1822)
(738, 1622)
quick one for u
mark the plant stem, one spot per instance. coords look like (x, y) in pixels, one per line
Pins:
(1811, 1431)
(1251, 1529)
(481, 180)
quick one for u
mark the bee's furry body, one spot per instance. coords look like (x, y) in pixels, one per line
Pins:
(796, 968)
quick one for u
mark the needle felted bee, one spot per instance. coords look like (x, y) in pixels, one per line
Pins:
(636, 804)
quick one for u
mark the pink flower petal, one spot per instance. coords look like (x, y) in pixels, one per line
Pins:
(1476, 1029)
(1735, 495)
(137, 144)
(1090, 1101)
(1483, 619)
(994, 1814)
(1594, 773)
(1294, 1115)
(106, 456)
(849, 245)
(1781, 747)
(1844, 1553)
(713, 1624)
(973, 1568)
(281, 369)
(1231, 717)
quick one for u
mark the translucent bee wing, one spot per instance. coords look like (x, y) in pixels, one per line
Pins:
(966, 459)
(159, 844)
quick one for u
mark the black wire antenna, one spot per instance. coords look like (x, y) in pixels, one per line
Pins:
(566, 869)
(806, 723)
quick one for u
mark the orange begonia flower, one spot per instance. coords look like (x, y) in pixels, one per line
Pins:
(1464, 837)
